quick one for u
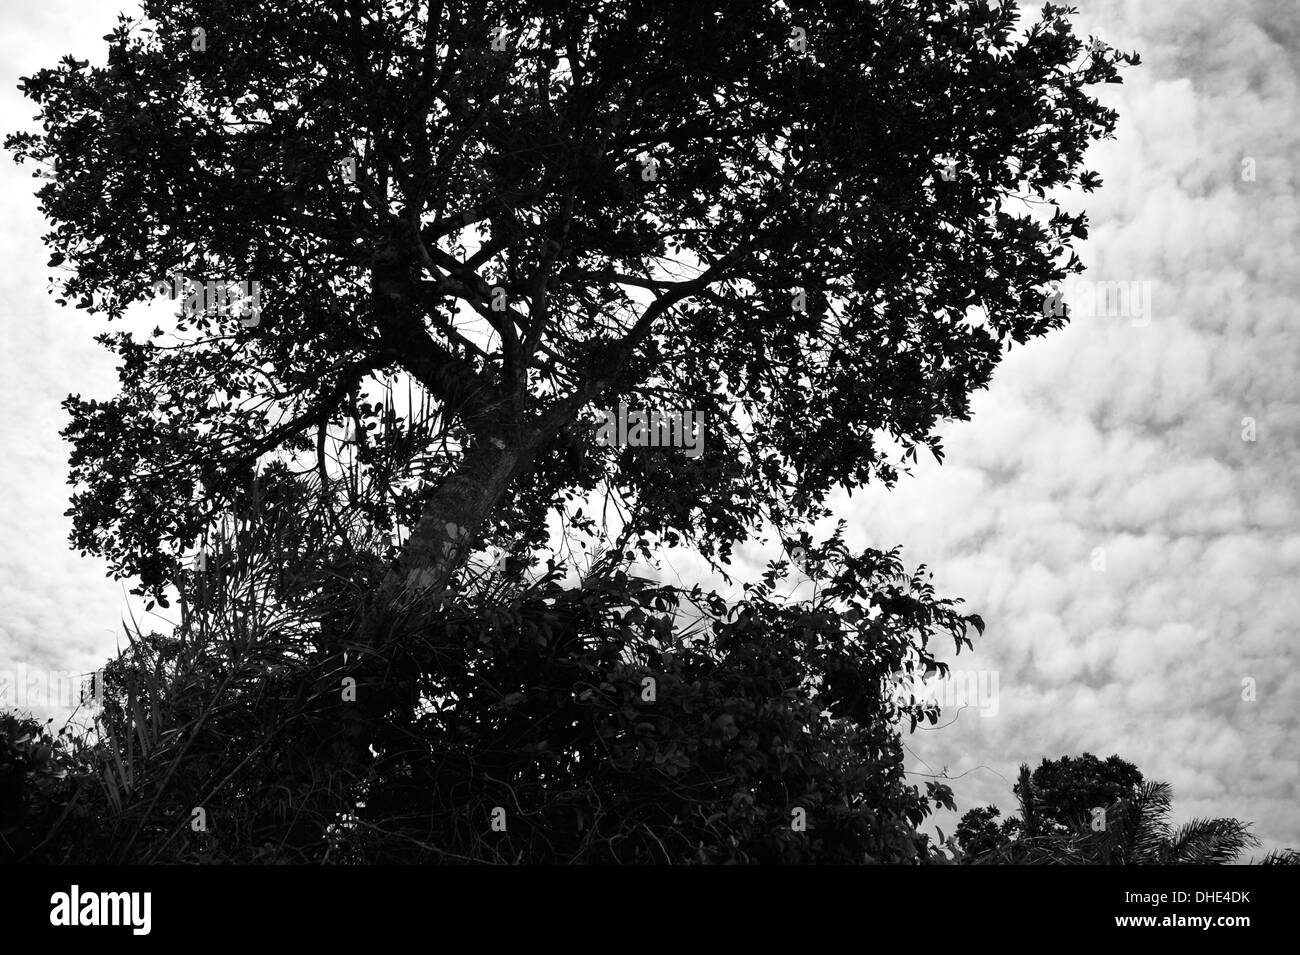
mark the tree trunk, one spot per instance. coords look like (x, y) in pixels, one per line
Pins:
(453, 516)
(387, 672)
(448, 526)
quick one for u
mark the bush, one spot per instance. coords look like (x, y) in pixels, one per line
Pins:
(613, 721)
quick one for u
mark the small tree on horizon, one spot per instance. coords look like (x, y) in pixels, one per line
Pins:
(1088, 811)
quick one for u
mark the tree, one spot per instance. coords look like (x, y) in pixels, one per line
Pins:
(778, 217)
(1149, 839)
(473, 229)
(1063, 792)
(977, 833)
(1087, 811)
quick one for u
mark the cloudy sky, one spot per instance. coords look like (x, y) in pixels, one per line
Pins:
(1135, 557)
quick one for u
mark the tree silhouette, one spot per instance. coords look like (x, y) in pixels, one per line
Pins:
(474, 228)
(1062, 793)
(1087, 811)
(779, 217)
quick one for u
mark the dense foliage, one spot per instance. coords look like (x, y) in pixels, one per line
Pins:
(805, 222)
(615, 720)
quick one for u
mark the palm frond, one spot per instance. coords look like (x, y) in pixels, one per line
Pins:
(1149, 839)
(1210, 842)
(1280, 857)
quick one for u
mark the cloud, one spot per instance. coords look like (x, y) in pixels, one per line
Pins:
(58, 612)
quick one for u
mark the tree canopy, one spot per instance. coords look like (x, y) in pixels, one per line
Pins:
(1088, 811)
(783, 217)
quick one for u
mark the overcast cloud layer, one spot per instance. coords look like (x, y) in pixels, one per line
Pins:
(1135, 559)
